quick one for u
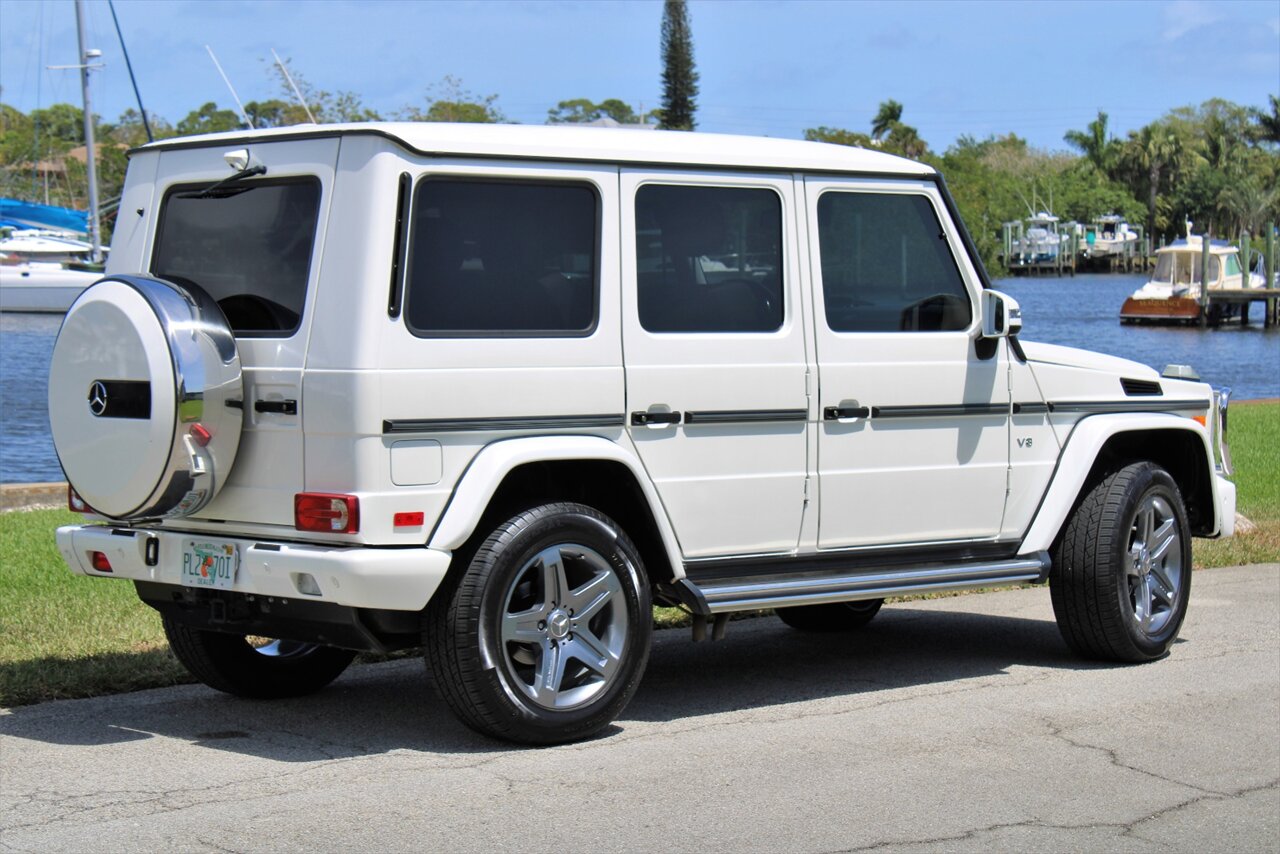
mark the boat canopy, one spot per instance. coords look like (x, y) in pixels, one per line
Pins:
(26, 215)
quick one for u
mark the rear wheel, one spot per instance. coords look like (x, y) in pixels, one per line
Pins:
(262, 668)
(543, 637)
(1121, 574)
(835, 617)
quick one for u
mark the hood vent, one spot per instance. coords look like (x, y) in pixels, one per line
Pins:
(1141, 388)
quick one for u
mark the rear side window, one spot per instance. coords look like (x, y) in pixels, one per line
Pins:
(886, 265)
(708, 259)
(492, 258)
(248, 246)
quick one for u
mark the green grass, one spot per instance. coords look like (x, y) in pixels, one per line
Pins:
(1254, 433)
(64, 635)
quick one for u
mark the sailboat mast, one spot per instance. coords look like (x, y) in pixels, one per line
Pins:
(95, 232)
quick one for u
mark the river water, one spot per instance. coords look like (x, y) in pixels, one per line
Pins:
(1077, 312)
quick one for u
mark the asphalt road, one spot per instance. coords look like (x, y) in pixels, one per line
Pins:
(955, 724)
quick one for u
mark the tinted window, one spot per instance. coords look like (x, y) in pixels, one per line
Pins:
(248, 246)
(886, 265)
(709, 259)
(492, 258)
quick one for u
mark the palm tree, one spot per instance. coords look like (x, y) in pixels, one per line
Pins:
(1154, 152)
(1094, 143)
(889, 114)
(1249, 203)
(1269, 123)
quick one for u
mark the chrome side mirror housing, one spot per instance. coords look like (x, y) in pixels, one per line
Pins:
(1001, 315)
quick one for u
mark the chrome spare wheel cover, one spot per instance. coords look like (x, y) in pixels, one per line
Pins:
(563, 627)
(1154, 565)
(144, 395)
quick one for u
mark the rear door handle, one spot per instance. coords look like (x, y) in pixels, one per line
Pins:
(280, 407)
(649, 419)
(836, 413)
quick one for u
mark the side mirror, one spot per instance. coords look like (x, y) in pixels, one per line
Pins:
(1001, 315)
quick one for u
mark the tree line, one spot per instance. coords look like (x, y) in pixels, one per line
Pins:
(1217, 164)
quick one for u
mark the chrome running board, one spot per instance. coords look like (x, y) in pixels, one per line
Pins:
(782, 590)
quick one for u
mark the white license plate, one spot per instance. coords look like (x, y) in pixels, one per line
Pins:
(208, 563)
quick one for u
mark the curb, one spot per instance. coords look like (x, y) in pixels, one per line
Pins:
(24, 496)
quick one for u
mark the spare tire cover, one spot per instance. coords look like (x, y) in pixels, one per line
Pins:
(145, 397)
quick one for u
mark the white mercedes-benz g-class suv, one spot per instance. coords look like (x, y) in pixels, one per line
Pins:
(494, 391)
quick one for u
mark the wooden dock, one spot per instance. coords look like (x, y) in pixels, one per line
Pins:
(1246, 297)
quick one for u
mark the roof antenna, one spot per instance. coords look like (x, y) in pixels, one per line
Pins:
(243, 115)
(293, 86)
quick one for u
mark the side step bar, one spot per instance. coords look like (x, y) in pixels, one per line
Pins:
(781, 590)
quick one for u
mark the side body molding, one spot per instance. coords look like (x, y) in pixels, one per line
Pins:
(495, 461)
(1084, 443)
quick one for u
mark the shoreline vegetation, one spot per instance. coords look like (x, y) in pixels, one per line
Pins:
(64, 636)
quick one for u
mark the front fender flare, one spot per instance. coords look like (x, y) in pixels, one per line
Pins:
(1083, 445)
(495, 461)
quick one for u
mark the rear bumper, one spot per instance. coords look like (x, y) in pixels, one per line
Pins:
(399, 579)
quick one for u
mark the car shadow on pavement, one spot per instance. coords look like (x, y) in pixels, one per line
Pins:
(381, 708)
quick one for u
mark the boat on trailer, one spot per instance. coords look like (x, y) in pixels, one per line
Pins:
(1172, 295)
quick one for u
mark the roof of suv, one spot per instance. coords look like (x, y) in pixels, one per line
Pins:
(560, 142)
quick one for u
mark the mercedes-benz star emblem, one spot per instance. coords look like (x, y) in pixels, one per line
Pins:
(98, 397)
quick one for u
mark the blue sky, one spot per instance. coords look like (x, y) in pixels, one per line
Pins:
(767, 68)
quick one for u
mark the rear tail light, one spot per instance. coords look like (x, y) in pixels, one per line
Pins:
(75, 503)
(326, 513)
(99, 562)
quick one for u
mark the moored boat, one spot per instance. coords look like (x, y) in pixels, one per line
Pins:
(1173, 293)
(1109, 236)
(42, 286)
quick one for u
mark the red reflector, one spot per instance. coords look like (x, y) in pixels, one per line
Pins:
(75, 503)
(100, 562)
(326, 513)
(200, 434)
(409, 520)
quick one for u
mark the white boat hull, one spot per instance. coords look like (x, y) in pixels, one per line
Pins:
(48, 289)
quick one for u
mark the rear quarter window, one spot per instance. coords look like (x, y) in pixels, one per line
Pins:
(502, 259)
(248, 246)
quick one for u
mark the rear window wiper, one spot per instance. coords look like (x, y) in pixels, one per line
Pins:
(213, 189)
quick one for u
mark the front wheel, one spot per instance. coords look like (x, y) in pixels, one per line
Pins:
(543, 636)
(261, 668)
(1121, 573)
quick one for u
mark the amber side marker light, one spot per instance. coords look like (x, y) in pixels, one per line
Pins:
(326, 513)
(1200, 419)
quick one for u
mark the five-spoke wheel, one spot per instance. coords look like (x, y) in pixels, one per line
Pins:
(541, 636)
(564, 626)
(1121, 571)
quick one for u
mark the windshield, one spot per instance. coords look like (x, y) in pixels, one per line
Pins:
(248, 246)
(1183, 268)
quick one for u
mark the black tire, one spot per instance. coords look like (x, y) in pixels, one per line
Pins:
(493, 684)
(1104, 568)
(835, 617)
(230, 663)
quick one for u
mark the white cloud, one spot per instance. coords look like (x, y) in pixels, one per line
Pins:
(1183, 16)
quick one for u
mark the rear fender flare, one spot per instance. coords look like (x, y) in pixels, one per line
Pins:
(1083, 445)
(494, 462)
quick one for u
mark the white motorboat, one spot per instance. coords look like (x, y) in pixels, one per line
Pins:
(42, 286)
(1041, 243)
(1108, 237)
(1172, 295)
